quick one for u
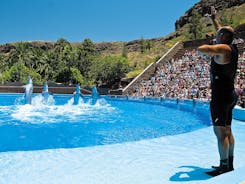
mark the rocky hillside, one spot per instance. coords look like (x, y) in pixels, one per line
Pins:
(203, 7)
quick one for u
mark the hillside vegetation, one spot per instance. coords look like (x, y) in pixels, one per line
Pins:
(197, 26)
(106, 63)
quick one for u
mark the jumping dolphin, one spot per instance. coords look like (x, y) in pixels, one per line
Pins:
(77, 94)
(95, 95)
(45, 92)
(28, 90)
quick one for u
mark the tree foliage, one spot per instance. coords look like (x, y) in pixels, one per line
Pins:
(19, 72)
(109, 69)
(195, 28)
(63, 63)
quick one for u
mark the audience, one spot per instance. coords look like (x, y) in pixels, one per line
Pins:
(186, 78)
(240, 82)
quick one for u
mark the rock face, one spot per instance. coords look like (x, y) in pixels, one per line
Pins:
(203, 7)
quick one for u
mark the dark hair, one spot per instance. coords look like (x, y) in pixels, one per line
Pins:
(227, 29)
(228, 32)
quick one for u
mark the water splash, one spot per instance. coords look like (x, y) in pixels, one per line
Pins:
(39, 112)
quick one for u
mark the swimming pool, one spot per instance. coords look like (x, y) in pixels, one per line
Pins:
(60, 124)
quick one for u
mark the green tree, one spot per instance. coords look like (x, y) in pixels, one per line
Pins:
(66, 60)
(3, 63)
(86, 54)
(64, 75)
(20, 54)
(142, 45)
(148, 44)
(109, 69)
(60, 45)
(19, 73)
(43, 67)
(53, 61)
(124, 51)
(76, 77)
(195, 28)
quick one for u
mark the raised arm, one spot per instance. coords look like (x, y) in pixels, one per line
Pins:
(213, 18)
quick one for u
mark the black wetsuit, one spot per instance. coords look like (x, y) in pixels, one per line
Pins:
(224, 96)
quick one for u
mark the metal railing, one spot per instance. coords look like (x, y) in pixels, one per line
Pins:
(153, 64)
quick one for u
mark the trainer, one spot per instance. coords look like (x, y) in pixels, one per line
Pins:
(224, 58)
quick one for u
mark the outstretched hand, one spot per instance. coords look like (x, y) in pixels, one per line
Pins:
(213, 12)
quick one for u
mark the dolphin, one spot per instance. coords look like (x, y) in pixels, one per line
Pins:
(28, 90)
(95, 95)
(77, 94)
(45, 92)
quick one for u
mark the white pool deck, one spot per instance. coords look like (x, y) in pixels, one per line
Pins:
(171, 159)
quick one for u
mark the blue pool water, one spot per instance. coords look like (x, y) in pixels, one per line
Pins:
(60, 124)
